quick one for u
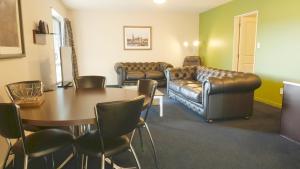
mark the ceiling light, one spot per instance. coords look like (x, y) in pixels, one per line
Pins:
(159, 1)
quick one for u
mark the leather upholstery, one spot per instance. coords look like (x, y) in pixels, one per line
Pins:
(90, 82)
(44, 142)
(9, 121)
(135, 75)
(89, 145)
(38, 144)
(184, 73)
(218, 94)
(192, 92)
(115, 120)
(192, 61)
(177, 84)
(147, 88)
(154, 75)
(130, 72)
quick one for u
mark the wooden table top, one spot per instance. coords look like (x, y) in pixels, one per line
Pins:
(67, 107)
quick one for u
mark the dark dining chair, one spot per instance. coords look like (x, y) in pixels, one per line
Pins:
(147, 87)
(87, 82)
(115, 122)
(38, 144)
(25, 90)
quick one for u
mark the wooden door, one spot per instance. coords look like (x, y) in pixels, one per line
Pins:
(247, 43)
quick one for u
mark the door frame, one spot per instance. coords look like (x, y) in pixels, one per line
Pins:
(236, 39)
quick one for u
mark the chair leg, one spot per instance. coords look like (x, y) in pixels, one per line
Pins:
(86, 162)
(135, 156)
(6, 158)
(26, 162)
(46, 161)
(141, 138)
(153, 146)
(132, 135)
(52, 161)
(75, 156)
(102, 161)
(82, 161)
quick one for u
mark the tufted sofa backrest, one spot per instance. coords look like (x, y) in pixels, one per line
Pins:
(183, 73)
(139, 66)
(203, 73)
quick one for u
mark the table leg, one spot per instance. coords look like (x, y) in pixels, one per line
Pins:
(161, 106)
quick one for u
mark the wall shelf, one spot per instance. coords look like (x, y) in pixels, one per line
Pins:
(39, 37)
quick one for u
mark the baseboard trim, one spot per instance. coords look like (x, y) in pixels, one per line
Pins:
(269, 102)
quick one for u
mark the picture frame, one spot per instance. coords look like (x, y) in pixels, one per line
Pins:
(137, 37)
(11, 30)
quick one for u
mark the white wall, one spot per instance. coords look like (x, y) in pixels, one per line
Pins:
(99, 38)
(39, 61)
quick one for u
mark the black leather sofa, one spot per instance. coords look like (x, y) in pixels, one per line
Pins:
(130, 72)
(213, 93)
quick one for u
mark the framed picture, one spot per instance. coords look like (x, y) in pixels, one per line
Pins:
(137, 37)
(11, 29)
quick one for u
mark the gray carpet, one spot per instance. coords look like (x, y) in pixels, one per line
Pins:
(185, 141)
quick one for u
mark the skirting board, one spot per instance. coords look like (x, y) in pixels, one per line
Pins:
(269, 102)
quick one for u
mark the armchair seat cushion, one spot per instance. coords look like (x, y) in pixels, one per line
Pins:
(135, 75)
(177, 84)
(154, 74)
(192, 91)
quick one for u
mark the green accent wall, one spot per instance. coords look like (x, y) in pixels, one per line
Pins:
(277, 60)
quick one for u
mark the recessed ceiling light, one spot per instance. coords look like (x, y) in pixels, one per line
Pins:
(159, 1)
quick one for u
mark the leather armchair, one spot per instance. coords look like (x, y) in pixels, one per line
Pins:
(192, 61)
(213, 93)
(129, 73)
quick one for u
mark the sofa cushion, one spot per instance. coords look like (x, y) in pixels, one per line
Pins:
(135, 75)
(177, 84)
(192, 91)
(154, 75)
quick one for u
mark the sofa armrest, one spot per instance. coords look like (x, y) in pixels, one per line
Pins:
(247, 82)
(120, 68)
(164, 66)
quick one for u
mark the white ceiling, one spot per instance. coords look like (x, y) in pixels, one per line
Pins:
(175, 5)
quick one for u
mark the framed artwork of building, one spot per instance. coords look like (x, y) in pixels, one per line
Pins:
(137, 37)
(11, 30)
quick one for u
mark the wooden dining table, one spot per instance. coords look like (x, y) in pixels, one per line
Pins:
(71, 107)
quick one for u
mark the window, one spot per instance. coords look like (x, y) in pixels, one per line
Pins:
(58, 23)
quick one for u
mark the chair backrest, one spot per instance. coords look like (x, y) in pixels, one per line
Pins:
(10, 123)
(147, 87)
(24, 89)
(192, 61)
(88, 82)
(115, 119)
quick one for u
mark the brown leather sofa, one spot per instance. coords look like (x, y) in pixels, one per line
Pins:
(130, 72)
(213, 93)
